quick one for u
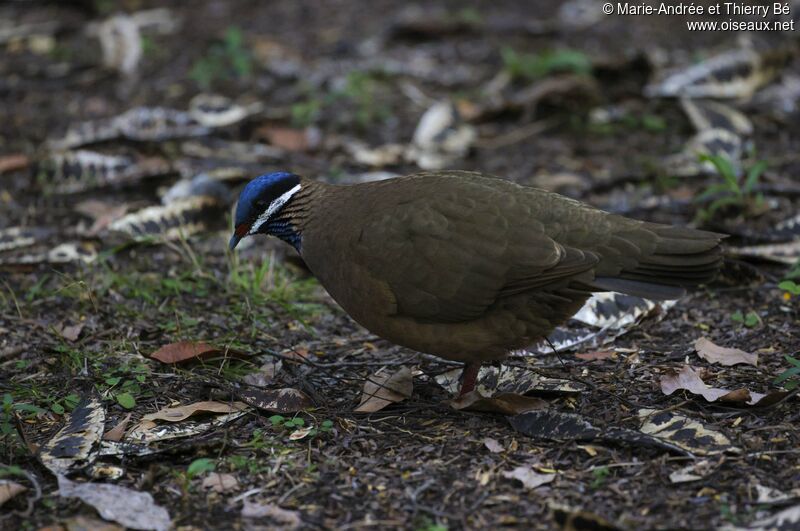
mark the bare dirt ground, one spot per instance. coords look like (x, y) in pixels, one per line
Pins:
(367, 71)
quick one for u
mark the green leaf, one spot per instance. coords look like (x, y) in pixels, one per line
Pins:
(790, 286)
(751, 319)
(126, 400)
(71, 400)
(200, 466)
(712, 190)
(114, 380)
(297, 421)
(326, 424)
(57, 408)
(753, 175)
(11, 470)
(277, 419)
(28, 408)
(788, 373)
(792, 360)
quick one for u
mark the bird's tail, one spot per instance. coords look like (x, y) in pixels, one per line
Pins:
(671, 259)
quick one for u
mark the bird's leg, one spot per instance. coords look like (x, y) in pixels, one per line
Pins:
(469, 377)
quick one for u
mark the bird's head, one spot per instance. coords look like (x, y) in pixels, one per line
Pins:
(260, 201)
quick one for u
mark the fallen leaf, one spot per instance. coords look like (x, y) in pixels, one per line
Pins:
(125, 506)
(688, 380)
(70, 332)
(16, 161)
(286, 138)
(281, 518)
(529, 478)
(148, 431)
(185, 350)
(722, 355)
(301, 433)
(595, 355)
(220, 482)
(516, 380)
(492, 445)
(770, 495)
(382, 389)
(685, 433)
(9, 489)
(115, 434)
(176, 414)
(88, 523)
(286, 400)
(693, 472)
(504, 403)
(74, 446)
(265, 374)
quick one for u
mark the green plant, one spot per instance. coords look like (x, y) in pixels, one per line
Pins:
(9, 406)
(279, 421)
(229, 58)
(731, 192)
(750, 320)
(195, 469)
(535, 66)
(599, 476)
(790, 378)
(362, 90)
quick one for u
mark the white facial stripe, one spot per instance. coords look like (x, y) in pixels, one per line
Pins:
(273, 207)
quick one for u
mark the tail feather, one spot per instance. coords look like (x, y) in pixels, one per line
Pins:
(671, 259)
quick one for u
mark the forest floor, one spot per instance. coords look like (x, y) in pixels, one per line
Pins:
(76, 338)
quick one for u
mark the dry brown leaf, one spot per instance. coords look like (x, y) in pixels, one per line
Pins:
(529, 478)
(722, 355)
(286, 400)
(492, 445)
(300, 433)
(176, 414)
(185, 350)
(687, 379)
(70, 332)
(280, 518)
(286, 138)
(9, 489)
(504, 403)
(88, 523)
(220, 482)
(382, 389)
(116, 433)
(14, 162)
(595, 355)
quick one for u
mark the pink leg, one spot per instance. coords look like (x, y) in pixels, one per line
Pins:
(469, 377)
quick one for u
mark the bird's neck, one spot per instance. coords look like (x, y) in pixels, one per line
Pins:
(290, 221)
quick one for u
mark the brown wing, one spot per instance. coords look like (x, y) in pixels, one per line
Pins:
(447, 257)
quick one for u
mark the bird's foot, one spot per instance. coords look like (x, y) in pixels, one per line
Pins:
(469, 378)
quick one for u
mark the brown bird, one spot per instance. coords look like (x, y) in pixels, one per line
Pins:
(466, 266)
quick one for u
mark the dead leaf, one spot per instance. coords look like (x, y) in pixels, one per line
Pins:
(74, 446)
(685, 433)
(281, 518)
(89, 523)
(724, 356)
(265, 374)
(301, 433)
(70, 332)
(492, 445)
(9, 489)
(148, 431)
(176, 414)
(785, 520)
(693, 472)
(125, 506)
(504, 403)
(14, 162)
(115, 434)
(595, 355)
(220, 482)
(185, 350)
(382, 389)
(529, 478)
(286, 400)
(287, 138)
(688, 380)
(516, 380)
